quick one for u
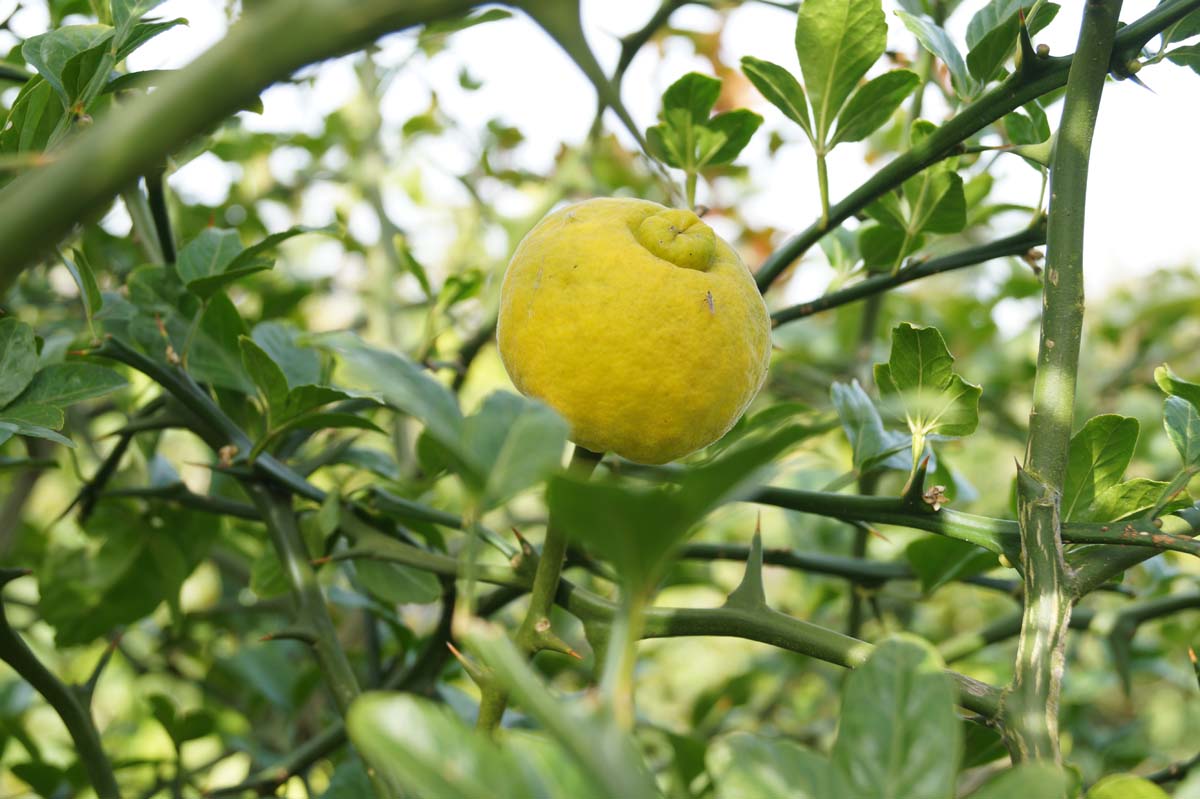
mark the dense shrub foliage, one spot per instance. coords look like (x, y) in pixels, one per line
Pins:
(274, 522)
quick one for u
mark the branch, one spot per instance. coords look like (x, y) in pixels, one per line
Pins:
(764, 625)
(156, 193)
(66, 703)
(267, 45)
(13, 73)
(1017, 244)
(419, 678)
(534, 634)
(1030, 81)
(1128, 618)
(1031, 704)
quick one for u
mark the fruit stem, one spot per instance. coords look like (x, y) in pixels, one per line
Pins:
(691, 190)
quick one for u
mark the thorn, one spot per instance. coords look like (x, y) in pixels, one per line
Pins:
(477, 674)
(750, 593)
(548, 641)
(872, 531)
(1140, 82)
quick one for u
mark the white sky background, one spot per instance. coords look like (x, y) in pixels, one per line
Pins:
(1144, 170)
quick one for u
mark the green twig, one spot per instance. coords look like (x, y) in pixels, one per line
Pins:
(1031, 704)
(276, 509)
(156, 192)
(1016, 244)
(66, 703)
(1129, 618)
(763, 625)
(13, 73)
(534, 634)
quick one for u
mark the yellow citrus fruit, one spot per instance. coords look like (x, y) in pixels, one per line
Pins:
(636, 323)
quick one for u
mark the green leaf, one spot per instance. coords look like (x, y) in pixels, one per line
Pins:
(304, 399)
(251, 255)
(1099, 454)
(1040, 779)
(745, 765)
(938, 561)
(208, 254)
(326, 420)
(1126, 786)
(13, 426)
(33, 118)
(686, 138)
(403, 385)
(606, 755)
(735, 129)
(267, 579)
(1176, 386)
(837, 41)
(49, 53)
(873, 104)
(937, 202)
(141, 562)
(18, 358)
(422, 746)
(31, 415)
(935, 39)
(992, 37)
(1186, 28)
(870, 442)
(126, 12)
(80, 72)
(1187, 56)
(1129, 498)
(206, 287)
(1182, 421)
(85, 279)
(694, 93)
(511, 444)
(921, 387)
(898, 735)
(780, 89)
(62, 384)
(214, 356)
(396, 584)
(141, 33)
(636, 527)
(301, 365)
(265, 373)
(883, 246)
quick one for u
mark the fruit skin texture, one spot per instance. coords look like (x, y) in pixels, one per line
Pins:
(636, 323)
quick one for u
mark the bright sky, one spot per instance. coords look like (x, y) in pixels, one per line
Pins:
(1141, 200)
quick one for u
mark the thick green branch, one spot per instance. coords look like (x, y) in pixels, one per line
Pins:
(1031, 705)
(66, 703)
(1016, 244)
